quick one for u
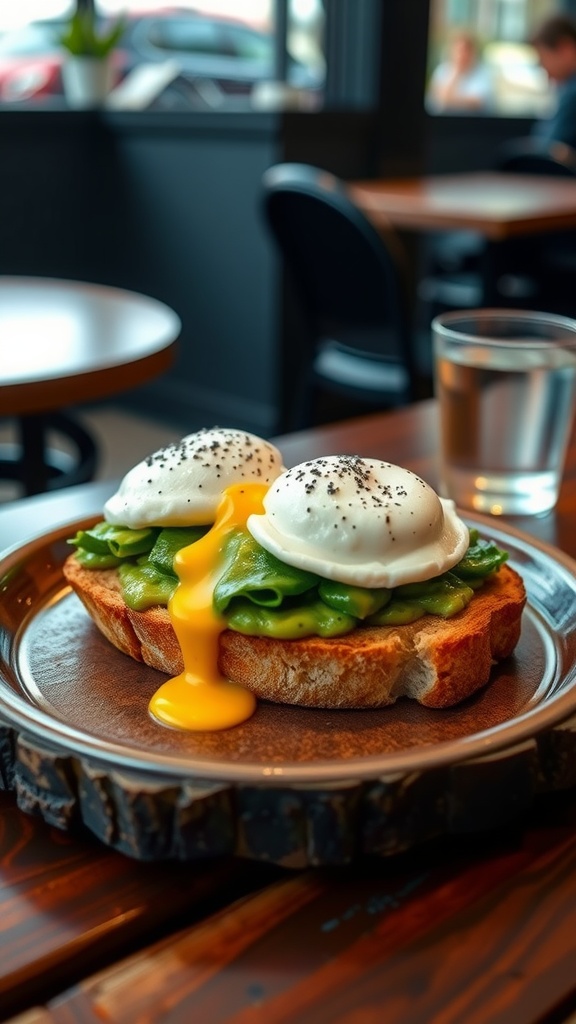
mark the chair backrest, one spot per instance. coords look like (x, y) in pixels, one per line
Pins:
(530, 156)
(348, 277)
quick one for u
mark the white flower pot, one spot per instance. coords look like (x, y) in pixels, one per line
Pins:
(87, 81)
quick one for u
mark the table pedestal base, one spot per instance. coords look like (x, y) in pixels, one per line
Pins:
(37, 467)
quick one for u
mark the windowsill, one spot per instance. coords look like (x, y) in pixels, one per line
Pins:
(246, 122)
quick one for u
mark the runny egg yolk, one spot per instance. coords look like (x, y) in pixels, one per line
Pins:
(200, 698)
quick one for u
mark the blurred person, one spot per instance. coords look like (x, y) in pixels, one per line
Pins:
(555, 44)
(463, 82)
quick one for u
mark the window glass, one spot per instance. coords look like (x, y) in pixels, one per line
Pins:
(202, 54)
(29, 49)
(306, 35)
(158, 37)
(479, 62)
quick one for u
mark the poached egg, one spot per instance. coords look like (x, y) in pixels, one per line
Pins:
(359, 521)
(215, 476)
(182, 484)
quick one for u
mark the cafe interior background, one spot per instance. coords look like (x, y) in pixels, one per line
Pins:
(161, 193)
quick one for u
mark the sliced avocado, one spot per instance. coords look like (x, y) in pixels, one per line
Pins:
(169, 541)
(143, 586)
(306, 618)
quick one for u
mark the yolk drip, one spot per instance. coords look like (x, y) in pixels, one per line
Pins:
(200, 698)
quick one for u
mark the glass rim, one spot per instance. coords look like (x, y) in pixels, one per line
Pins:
(442, 325)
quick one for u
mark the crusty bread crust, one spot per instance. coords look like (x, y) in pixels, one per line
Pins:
(438, 662)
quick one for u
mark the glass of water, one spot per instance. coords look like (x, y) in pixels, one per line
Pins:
(506, 386)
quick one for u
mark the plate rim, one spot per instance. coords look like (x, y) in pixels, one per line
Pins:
(55, 733)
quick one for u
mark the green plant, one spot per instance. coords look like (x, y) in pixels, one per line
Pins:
(82, 39)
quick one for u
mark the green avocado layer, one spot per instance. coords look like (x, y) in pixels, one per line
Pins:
(259, 595)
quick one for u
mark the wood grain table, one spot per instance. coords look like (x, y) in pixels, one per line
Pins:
(477, 930)
(499, 205)
(504, 208)
(64, 343)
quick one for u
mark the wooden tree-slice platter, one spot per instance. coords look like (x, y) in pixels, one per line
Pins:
(294, 786)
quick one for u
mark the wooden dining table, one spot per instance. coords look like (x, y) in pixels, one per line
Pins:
(504, 208)
(462, 928)
(499, 205)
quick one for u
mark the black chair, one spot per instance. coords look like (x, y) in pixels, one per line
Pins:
(348, 281)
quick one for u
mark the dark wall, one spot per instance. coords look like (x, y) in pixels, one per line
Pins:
(455, 143)
(60, 198)
(401, 120)
(168, 205)
(197, 242)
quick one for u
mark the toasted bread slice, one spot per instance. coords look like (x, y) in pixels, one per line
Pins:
(438, 662)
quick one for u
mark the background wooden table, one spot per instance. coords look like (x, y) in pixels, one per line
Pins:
(479, 930)
(496, 204)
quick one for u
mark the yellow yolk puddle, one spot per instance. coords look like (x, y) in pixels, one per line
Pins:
(200, 698)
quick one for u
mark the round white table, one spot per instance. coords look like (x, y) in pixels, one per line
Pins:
(63, 343)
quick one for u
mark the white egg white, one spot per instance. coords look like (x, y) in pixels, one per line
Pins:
(360, 521)
(182, 484)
